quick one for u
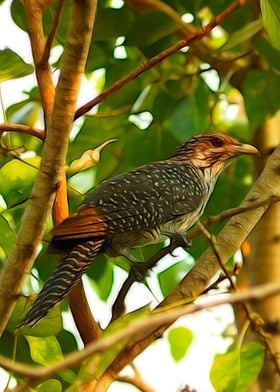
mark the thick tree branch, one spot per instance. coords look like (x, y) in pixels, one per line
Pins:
(34, 13)
(118, 307)
(53, 157)
(154, 320)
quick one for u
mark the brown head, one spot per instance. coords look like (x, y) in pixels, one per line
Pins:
(213, 150)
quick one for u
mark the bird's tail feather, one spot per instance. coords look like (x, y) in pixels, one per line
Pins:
(63, 279)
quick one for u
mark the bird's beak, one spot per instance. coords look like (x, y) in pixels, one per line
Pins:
(246, 149)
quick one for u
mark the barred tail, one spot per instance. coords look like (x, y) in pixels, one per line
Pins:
(63, 279)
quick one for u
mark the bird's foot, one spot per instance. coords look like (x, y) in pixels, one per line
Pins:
(178, 240)
(140, 270)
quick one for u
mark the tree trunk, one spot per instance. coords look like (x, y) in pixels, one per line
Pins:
(264, 261)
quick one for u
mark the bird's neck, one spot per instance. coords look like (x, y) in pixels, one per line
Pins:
(210, 177)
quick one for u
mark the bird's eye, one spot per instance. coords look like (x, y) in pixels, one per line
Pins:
(217, 142)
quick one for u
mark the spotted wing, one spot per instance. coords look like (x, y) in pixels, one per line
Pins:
(141, 199)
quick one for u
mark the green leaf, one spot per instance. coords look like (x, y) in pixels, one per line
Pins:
(180, 339)
(67, 341)
(9, 341)
(235, 371)
(44, 350)
(271, 19)
(148, 28)
(244, 34)
(268, 52)
(12, 66)
(8, 237)
(18, 14)
(16, 179)
(169, 278)
(49, 385)
(112, 23)
(191, 114)
(257, 85)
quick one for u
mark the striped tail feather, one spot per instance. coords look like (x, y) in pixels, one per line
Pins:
(63, 279)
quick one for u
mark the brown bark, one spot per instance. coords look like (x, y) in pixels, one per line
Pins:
(53, 157)
(264, 262)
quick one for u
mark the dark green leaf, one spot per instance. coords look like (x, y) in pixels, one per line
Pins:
(102, 277)
(112, 23)
(169, 278)
(191, 114)
(180, 339)
(236, 370)
(18, 14)
(270, 54)
(12, 66)
(67, 341)
(257, 85)
(49, 385)
(148, 28)
(9, 341)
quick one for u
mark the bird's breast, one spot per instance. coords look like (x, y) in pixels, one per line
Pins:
(134, 239)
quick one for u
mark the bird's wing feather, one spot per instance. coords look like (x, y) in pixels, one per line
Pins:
(145, 198)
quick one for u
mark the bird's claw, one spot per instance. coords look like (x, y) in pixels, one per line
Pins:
(178, 240)
(140, 270)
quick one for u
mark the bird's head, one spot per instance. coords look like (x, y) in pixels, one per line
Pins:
(212, 150)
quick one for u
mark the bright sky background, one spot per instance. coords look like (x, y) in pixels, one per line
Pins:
(155, 364)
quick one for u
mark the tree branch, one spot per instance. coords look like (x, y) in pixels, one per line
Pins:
(160, 57)
(118, 307)
(34, 14)
(154, 320)
(39, 133)
(53, 157)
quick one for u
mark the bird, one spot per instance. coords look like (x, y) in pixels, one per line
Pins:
(158, 200)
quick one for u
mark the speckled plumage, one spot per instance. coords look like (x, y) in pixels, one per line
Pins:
(136, 208)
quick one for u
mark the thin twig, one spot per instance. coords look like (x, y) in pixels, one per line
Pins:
(255, 320)
(213, 219)
(51, 36)
(160, 57)
(20, 128)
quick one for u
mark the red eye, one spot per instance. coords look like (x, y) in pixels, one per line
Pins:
(217, 142)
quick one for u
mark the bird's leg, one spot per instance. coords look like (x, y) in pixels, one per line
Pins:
(178, 240)
(139, 268)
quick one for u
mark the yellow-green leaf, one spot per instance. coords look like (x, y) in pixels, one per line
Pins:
(236, 370)
(49, 385)
(44, 350)
(180, 339)
(271, 19)
(12, 66)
